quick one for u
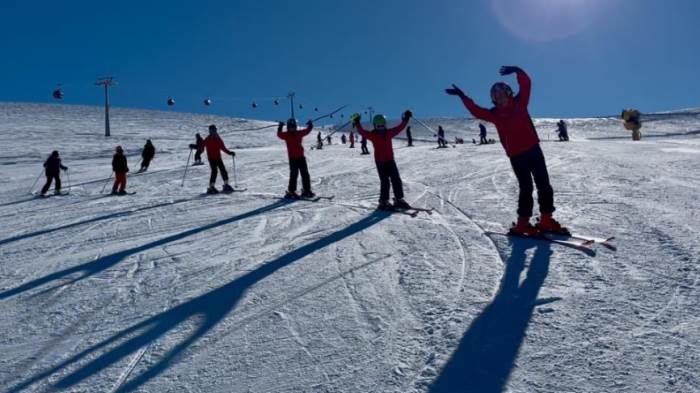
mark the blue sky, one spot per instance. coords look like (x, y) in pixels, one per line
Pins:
(586, 57)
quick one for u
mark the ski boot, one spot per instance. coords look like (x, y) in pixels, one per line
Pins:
(385, 205)
(227, 188)
(548, 224)
(523, 228)
(114, 192)
(401, 204)
(212, 190)
(307, 194)
(291, 195)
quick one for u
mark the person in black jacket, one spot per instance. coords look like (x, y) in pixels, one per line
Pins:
(441, 137)
(120, 168)
(482, 134)
(53, 167)
(199, 146)
(409, 136)
(149, 151)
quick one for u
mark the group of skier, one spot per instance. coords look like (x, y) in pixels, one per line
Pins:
(509, 114)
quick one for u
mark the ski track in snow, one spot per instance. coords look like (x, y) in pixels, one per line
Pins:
(171, 290)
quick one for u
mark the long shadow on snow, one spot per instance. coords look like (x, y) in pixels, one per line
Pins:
(90, 221)
(486, 355)
(91, 268)
(211, 307)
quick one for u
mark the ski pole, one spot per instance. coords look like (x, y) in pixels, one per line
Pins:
(186, 166)
(35, 181)
(107, 182)
(235, 175)
(68, 175)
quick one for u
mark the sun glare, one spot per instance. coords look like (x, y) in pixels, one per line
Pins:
(547, 20)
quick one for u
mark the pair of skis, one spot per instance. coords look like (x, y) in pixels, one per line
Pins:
(578, 242)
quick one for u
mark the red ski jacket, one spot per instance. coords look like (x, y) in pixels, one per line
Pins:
(214, 145)
(383, 148)
(513, 122)
(293, 141)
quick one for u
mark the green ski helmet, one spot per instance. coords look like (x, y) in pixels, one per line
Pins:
(379, 121)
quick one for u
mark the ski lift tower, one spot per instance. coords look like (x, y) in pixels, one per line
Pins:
(107, 82)
(291, 100)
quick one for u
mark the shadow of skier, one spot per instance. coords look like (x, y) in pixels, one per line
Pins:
(88, 269)
(205, 311)
(486, 355)
(91, 220)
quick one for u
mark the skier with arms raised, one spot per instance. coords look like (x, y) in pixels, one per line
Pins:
(297, 160)
(521, 143)
(381, 138)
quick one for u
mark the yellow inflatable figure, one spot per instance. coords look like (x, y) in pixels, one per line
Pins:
(633, 122)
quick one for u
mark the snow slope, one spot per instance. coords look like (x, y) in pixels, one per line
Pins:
(172, 291)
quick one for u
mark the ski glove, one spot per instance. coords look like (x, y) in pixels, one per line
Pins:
(455, 91)
(507, 70)
(407, 115)
(356, 118)
(310, 124)
(233, 154)
(280, 126)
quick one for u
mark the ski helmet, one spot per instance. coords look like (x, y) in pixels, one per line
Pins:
(292, 122)
(119, 149)
(500, 87)
(212, 128)
(379, 121)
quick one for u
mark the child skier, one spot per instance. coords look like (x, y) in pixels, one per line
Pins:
(297, 161)
(384, 158)
(442, 143)
(149, 151)
(214, 145)
(53, 168)
(482, 134)
(363, 145)
(521, 143)
(120, 168)
(199, 149)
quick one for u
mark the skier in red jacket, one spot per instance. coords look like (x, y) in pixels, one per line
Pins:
(384, 158)
(214, 145)
(297, 161)
(522, 145)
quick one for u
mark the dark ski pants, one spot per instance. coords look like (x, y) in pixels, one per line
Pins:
(364, 148)
(528, 166)
(388, 172)
(49, 179)
(216, 166)
(119, 181)
(198, 155)
(297, 166)
(145, 162)
(482, 140)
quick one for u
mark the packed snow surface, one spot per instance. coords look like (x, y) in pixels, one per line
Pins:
(170, 290)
